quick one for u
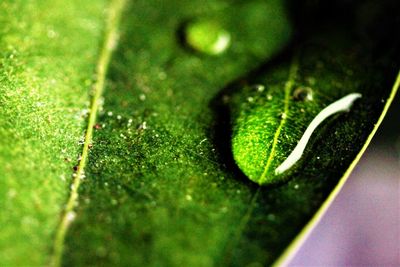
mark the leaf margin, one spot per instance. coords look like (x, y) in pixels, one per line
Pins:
(289, 253)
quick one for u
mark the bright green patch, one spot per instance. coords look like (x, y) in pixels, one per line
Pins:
(269, 124)
(207, 36)
(156, 191)
(48, 50)
(161, 186)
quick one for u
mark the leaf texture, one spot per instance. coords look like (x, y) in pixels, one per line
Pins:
(47, 54)
(161, 186)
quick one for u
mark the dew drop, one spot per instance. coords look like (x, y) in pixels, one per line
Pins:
(258, 87)
(303, 94)
(51, 34)
(207, 36)
(142, 97)
(162, 75)
(70, 216)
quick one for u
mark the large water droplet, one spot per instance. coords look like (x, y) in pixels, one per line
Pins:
(207, 36)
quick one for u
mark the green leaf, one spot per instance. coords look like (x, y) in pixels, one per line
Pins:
(160, 186)
(273, 111)
(156, 184)
(48, 50)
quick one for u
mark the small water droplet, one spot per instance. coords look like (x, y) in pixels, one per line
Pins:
(303, 94)
(51, 34)
(70, 216)
(207, 36)
(162, 75)
(143, 126)
(258, 87)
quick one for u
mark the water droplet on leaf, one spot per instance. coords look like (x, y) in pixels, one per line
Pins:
(258, 87)
(264, 144)
(303, 94)
(207, 36)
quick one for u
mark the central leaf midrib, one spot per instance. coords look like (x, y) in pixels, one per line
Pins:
(288, 86)
(243, 222)
(111, 36)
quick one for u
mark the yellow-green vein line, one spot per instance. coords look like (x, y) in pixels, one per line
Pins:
(110, 40)
(294, 246)
(288, 87)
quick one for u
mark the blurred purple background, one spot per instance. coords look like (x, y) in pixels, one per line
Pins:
(362, 227)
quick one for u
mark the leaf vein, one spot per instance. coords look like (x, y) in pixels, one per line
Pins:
(111, 36)
(288, 86)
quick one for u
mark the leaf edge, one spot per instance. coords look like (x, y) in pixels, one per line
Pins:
(288, 254)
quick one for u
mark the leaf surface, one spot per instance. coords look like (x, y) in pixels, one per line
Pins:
(161, 186)
(47, 53)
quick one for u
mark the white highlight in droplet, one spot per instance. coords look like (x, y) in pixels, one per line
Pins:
(341, 105)
(222, 43)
